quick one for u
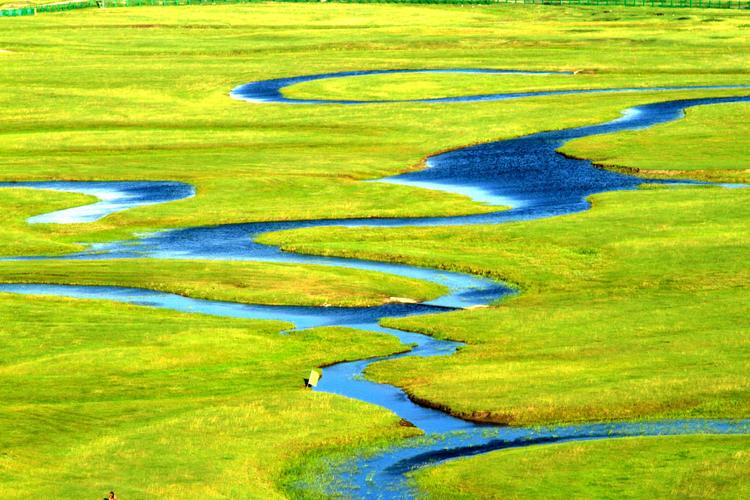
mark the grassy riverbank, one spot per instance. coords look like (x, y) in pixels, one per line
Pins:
(633, 309)
(154, 404)
(144, 96)
(247, 282)
(18, 237)
(714, 145)
(664, 467)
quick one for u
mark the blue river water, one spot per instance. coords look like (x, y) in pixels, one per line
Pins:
(271, 91)
(524, 177)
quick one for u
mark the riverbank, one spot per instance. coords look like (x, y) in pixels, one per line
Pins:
(191, 405)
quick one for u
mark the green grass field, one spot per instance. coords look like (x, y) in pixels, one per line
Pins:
(634, 309)
(151, 403)
(703, 152)
(20, 238)
(664, 467)
(249, 282)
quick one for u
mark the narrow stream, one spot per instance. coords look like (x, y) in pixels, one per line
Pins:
(525, 174)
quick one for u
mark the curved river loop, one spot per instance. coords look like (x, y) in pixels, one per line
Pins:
(524, 173)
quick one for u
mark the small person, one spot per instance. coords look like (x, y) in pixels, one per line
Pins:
(112, 496)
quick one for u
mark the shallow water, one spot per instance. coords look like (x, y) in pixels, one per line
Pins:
(525, 174)
(113, 197)
(384, 475)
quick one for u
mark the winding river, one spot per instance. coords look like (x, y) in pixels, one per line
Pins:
(525, 174)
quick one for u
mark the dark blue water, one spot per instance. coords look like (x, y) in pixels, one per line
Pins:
(270, 91)
(525, 174)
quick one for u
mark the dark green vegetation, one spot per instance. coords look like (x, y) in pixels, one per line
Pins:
(665, 467)
(635, 309)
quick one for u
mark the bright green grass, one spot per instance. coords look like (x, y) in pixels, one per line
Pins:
(6, 4)
(143, 95)
(249, 282)
(157, 404)
(637, 308)
(425, 86)
(713, 144)
(18, 237)
(665, 467)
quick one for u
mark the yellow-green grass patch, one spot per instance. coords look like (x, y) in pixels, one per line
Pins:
(711, 143)
(674, 467)
(98, 396)
(634, 309)
(248, 282)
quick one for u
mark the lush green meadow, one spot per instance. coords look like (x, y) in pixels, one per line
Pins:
(144, 96)
(157, 404)
(18, 237)
(664, 467)
(635, 309)
(249, 282)
(713, 140)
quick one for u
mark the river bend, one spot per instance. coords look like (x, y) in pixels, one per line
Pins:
(525, 174)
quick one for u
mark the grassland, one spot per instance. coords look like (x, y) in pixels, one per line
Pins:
(431, 85)
(633, 309)
(144, 96)
(20, 238)
(152, 403)
(703, 152)
(664, 467)
(98, 395)
(249, 282)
